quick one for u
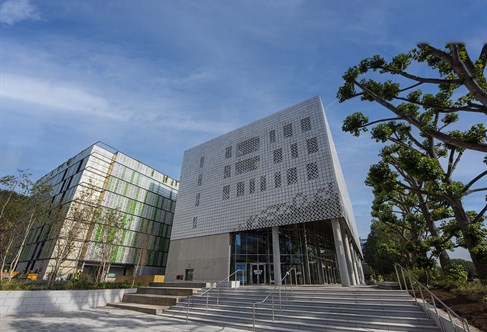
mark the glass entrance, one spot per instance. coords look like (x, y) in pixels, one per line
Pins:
(259, 275)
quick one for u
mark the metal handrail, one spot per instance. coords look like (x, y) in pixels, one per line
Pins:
(433, 298)
(207, 292)
(271, 293)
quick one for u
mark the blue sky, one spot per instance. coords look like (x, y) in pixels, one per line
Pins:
(154, 78)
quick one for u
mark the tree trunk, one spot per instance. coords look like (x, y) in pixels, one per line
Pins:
(443, 256)
(470, 244)
(13, 264)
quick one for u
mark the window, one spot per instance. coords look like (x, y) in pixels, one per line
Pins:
(227, 171)
(195, 222)
(277, 179)
(202, 162)
(247, 165)
(292, 176)
(312, 170)
(288, 130)
(200, 180)
(240, 189)
(263, 183)
(294, 150)
(272, 136)
(226, 192)
(312, 145)
(305, 124)
(228, 152)
(277, 156)
(248, 146)
(252, 186)
(197, 202)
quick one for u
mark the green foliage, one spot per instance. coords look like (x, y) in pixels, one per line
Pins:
(62, 285)
(474, 287)
(454, 275)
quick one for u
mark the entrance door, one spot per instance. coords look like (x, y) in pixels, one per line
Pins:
(258, 271)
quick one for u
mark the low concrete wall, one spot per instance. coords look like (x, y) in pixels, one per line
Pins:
(143, 279)
(20, 302)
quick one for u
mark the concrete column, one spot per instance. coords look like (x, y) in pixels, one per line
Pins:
(354, 264)
(340, 252)
(276, 255)
(360, 270)
(348, 258)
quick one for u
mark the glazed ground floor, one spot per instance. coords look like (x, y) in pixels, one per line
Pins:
(318, 252)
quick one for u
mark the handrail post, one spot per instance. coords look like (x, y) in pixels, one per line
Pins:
(451, 320)
(272, 306)
(217, 295)
(424, 301)
(398, 279)
(404, 279)
(437, 314)
(187, 309)
(285, 285)
(253, 316)
(412, 287)
(207, 298)
(280, 304)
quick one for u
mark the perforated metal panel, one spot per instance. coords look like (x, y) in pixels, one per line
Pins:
(284, 173)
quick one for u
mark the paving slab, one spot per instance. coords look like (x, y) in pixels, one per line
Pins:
(104, 319)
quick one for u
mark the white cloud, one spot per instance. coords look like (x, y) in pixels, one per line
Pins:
(14, 11)
(46, 94)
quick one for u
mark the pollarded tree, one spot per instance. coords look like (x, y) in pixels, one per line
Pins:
(422, 126)
(426, 217)
(460, 87)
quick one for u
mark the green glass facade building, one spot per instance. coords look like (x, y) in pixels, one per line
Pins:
(144, 198)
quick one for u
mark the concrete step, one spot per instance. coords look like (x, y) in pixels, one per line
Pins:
(145, 308)
(166, 291)
(321, 312)
(160, 300)
(409, 304)
(180, 284)
(303, 323)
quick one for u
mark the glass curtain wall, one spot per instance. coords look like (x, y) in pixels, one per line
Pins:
(307, 247)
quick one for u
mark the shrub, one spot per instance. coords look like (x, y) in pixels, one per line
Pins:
(425, 276)
(471, 288)
(454, 275)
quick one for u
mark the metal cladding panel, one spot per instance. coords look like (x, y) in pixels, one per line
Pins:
(221, 188)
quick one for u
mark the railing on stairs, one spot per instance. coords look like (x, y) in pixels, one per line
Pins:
(271, 295)
(207, 292)
(434, 300)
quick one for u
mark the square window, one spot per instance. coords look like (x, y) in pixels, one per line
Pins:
(288, 130)
(277, 179)
(292, 176)
(277, 156)
(228, 152)
(240, 189)
(226, 192)
(272, 136)
(305, 124)
(294, 150)
(252, 186)
(312, 145)
(227, 171)
(263, 183)
(312, 171)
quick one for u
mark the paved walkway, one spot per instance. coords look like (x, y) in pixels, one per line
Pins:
(101, 319)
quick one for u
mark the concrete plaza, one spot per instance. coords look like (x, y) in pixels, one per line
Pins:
(101, 319)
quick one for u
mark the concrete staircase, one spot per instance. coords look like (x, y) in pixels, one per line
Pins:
(308, 308)
(158, 297)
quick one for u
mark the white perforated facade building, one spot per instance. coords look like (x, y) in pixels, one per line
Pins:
(261, 197)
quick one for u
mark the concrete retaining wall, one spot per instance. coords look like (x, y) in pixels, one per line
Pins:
(20, 302)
